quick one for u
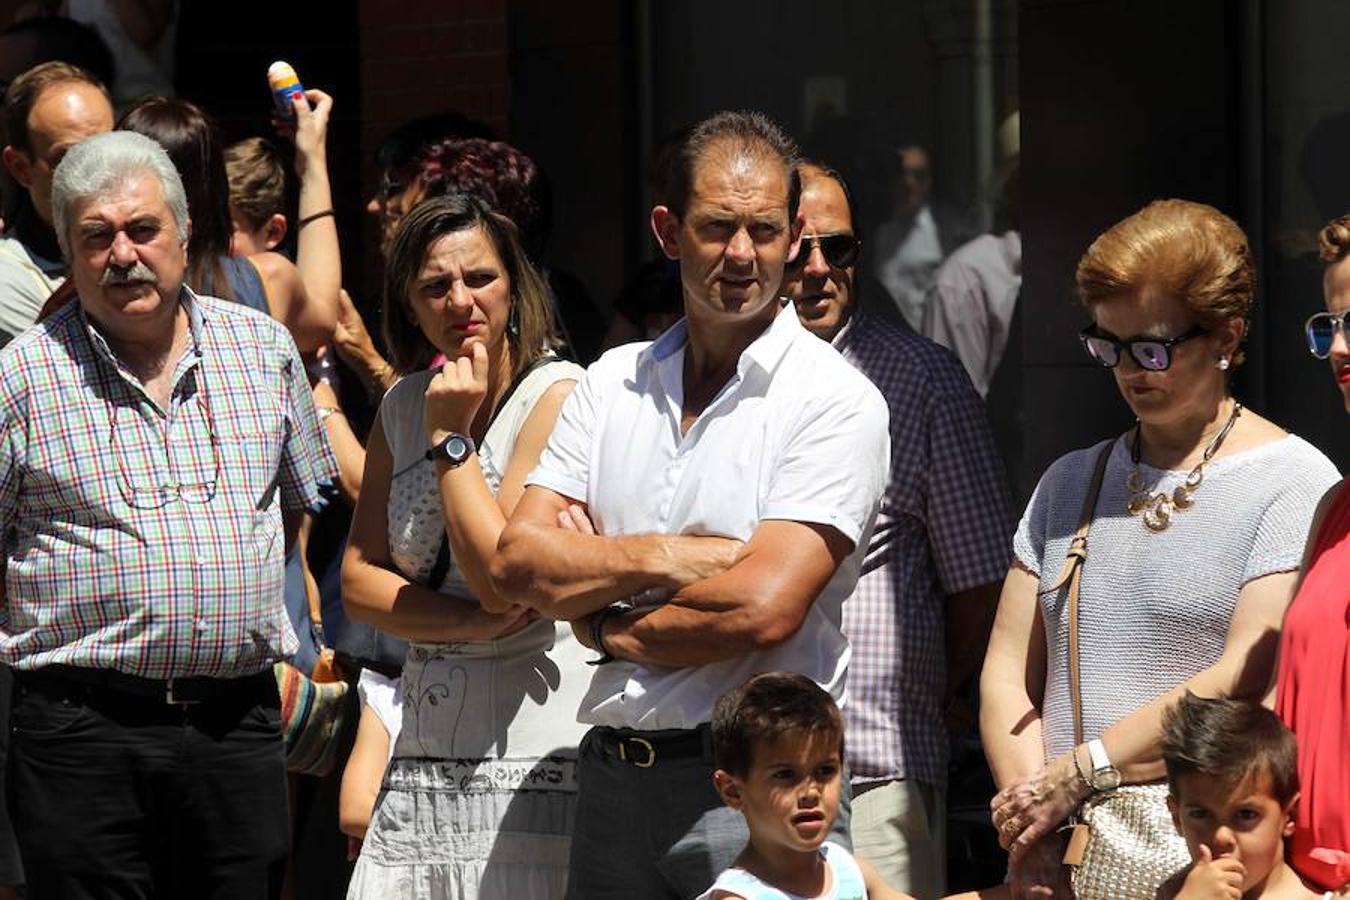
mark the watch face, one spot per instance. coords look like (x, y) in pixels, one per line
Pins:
(1107, 779)
(456, 447)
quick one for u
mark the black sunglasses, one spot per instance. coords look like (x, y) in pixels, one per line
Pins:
(1321, 329)
(840, 250)
(1153, 354)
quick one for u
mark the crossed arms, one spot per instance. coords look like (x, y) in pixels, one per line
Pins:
(728, 598)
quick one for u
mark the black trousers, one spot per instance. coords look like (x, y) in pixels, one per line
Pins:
(11, 870)
(120, 795)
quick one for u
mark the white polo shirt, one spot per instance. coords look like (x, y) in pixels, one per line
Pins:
(796, 434)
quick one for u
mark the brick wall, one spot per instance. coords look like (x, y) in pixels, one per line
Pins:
(420, 57)
(427, 56)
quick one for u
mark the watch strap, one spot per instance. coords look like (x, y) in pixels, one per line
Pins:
(597, 634)
(1097, 753)
(438, 452)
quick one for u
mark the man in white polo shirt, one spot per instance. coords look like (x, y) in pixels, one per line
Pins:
(700, 514)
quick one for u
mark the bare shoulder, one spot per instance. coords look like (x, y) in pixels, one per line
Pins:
(273, 265)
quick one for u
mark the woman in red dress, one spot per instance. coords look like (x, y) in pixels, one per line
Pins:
(1314, 675)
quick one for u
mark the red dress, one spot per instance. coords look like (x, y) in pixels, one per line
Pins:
(1314, 701)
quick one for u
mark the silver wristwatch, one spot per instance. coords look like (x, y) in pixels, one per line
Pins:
(1104, 776)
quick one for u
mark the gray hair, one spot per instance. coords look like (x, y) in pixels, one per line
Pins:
(97, 166)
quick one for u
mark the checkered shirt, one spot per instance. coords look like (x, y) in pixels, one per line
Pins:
(945, 526)
(132, 540)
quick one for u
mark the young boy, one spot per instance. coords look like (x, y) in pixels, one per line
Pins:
(257, 196)
(1233, 773)
(778, 744)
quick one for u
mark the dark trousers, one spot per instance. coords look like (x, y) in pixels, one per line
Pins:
(120, 795)
(649, 823)
(11, 870)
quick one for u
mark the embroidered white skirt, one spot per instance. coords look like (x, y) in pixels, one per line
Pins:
(469, 830)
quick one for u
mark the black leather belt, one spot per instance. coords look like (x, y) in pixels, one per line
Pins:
(170, 691)
(645, 749)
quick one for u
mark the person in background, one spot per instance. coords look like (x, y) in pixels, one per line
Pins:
(395, 164)
(1196, 535)
(651, 301)
(974, 294)
(47, 110)
(1314, 676)
(143, 582)
(27, 42)
(141, 35)
(918, 621)
(267, 282)
(912, 242)
(376, 734)
(257, 181)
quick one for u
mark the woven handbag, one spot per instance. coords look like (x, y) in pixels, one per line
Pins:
(1132, 846)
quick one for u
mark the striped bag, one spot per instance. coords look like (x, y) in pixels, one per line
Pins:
(313, 713)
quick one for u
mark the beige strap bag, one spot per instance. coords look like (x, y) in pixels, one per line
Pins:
(1124, 845)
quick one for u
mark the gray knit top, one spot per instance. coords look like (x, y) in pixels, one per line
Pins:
(1154, 608)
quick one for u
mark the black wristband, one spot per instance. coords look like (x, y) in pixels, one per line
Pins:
(318, 215)
(597, 632)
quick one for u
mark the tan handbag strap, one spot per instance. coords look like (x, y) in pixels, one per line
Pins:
(1072, 575)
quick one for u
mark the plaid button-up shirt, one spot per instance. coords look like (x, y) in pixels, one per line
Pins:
(150, 540)
(945, 526)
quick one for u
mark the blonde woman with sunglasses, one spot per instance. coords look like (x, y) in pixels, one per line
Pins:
(1196, 532)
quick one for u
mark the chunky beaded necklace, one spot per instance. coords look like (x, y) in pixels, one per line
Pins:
(1158, 507)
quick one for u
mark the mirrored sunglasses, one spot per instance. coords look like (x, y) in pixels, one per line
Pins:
(1321, 330)
(1152, 354)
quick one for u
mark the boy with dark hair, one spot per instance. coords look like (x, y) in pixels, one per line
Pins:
(1232, 768)
(257, 196)
(778, 744)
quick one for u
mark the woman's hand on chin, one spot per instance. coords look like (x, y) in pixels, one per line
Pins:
(455, 394)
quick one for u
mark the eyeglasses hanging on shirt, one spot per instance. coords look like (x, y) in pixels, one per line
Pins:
(157, 496)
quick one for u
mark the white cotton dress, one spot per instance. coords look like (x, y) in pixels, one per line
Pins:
(480, 794)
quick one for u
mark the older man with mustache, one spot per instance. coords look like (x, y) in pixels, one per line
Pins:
(156, 449)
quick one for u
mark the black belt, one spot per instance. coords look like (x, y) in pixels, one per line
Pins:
(171, 691)
(645, 749)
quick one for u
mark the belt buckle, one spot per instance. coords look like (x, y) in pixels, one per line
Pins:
(172, 700)
(645, 744)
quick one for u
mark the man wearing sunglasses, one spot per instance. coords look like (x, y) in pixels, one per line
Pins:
(919, 618)
(157, 449)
